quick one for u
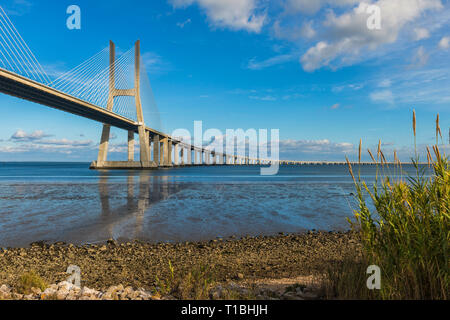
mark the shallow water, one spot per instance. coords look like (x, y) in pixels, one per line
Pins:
(68, 202)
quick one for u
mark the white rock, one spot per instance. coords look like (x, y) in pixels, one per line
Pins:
(62, 293)
(49, 291)
(66, 285)
(5, 289)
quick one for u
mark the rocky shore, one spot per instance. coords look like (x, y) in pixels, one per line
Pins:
(279, 267)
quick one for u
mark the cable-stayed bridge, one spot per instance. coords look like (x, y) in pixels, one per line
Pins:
(107, 89)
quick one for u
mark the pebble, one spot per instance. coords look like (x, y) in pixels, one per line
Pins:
(67, 291)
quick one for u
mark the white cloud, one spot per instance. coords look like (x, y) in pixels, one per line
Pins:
(65, 142)
(382, 96)
(18, 7)
(307, 31)
(36, 141)
(233, 14)
(444, 43)
(314, 146)
(183, 24)
(347, 35)
(154, 64)
(421, 33)
(312, 6)
(263, 98)
(258, 65)
(385, 83)
(21, 135)
(420, 58)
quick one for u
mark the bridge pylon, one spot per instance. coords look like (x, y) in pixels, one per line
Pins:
(144, 138)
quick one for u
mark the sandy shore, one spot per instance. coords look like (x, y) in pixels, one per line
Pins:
(136, 264)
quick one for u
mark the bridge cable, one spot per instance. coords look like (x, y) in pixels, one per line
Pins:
(37, 66)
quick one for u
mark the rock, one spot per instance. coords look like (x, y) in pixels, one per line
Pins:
(217, 293)
(88, 292)
(49, 292)
(308, 295)
(145, 295)
(291, 296)
(36, 291)
(112, 242)
(5, 289)
(128, 290)
(62, 293)
(71, 296)
(240, 276)
(65, 285)
(120, 287)
(40, 244)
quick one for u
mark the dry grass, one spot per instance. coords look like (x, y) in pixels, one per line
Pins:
(30, 280)
(407, 235)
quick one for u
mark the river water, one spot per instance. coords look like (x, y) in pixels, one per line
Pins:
(68, 202)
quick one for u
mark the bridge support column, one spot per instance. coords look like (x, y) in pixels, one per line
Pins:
(182, 156)
(144, 145)
(156, 146)
(167, 152)
(162, 151)
(130, 145)
(104, 142)
(189, 156)
(176, 156)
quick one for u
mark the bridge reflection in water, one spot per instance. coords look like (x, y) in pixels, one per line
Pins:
(142, 192)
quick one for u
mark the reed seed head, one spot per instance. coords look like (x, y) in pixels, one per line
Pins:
(360, 150)
(379, 149)
(438, 129)
(371, 155)
(350, 169)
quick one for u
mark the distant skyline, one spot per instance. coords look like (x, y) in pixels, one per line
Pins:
(310, 68)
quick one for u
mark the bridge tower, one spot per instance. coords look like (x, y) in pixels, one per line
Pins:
(144, 137)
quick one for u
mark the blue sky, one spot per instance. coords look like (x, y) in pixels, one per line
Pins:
(310, 68)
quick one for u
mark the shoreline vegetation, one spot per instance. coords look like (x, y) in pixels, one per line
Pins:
(406, 238)
(407, 235)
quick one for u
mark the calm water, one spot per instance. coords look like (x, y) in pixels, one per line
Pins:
(68, 202)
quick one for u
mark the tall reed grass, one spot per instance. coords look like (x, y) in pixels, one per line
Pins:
(408, 233)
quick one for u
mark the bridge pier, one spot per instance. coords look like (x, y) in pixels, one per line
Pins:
(189, 156)
(156, 151)
(144, 142)
(176, 155)
(182, 156)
